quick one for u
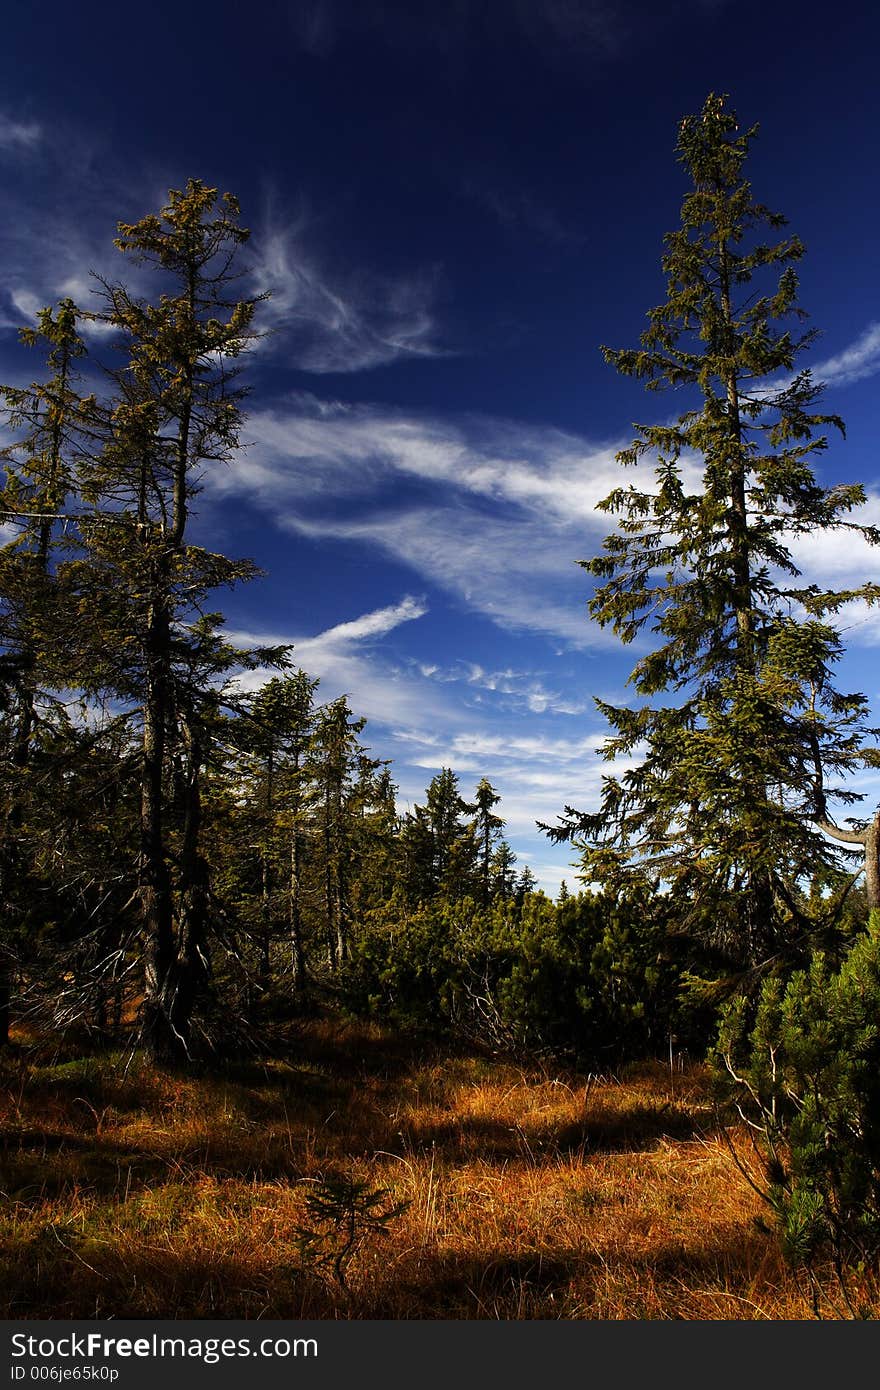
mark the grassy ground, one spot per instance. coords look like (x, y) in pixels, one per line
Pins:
(529, 1194)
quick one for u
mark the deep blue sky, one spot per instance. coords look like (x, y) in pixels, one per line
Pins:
(453, 206)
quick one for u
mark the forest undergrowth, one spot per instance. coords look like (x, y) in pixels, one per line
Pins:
(375, 1176)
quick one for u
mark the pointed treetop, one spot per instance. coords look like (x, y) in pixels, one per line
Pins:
(709, 145)
(191, 226)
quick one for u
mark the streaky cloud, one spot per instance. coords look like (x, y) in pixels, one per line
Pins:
(377, 623)
(861, 359)
(491, 511)
(345, 322)
(19, 136)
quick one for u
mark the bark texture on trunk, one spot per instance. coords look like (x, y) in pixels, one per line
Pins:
(154, 879)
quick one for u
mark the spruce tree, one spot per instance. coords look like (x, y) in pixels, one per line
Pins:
(526, 883)
(48, 421)
(439, 846)
(729, 779)
(375, 845)
(280, 729)
(488, 829)
(176, 410)
(338, 768)
(503, 872)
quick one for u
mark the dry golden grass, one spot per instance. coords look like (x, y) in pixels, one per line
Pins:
(141, 1194)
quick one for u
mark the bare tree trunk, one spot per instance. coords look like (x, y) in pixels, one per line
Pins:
(872, 864)
(8, 908)
(329, 888)
(264, 934)
(192, 963)
(297, 955)
(5, 991)
(339, 894)
(155, 885)
(869, 838)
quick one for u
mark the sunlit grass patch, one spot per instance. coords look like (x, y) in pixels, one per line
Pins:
(516, 1193)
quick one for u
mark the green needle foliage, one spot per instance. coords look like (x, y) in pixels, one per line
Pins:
(802, 1070)
(341, 1214)
(724, 784)
(49, 424)
(178, 411)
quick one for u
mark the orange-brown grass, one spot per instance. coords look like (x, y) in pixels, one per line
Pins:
(136, 1193)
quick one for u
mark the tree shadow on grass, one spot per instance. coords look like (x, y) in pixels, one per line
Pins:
(636, 1131)
(501, 1284)
(60, 1273)
(349, 1051)
(63, 1276)
(267, 1137)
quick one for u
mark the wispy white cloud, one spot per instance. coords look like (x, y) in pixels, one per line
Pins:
(492, 512)
(504, 568)
(347, 322)
(858, 360)
(377, 623)
(472, 749)
(60, 220)
(859, 623)
(350, 659)
(861, 359)
(321, 317)
(520, 689)
(19, 136)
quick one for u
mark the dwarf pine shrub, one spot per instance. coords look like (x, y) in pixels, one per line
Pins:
(803, 1070)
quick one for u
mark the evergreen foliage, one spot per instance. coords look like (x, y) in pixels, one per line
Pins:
(49, 421)
(487, 827)
(439, 844)
(722, 805)
(804, 1072)
(592, 978)
(202, 861)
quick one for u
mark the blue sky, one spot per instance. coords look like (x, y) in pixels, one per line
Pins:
(452, 207)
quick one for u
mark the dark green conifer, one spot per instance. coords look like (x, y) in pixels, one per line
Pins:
(48, 421)
(488, 828)
(176, 411)
(728, 781)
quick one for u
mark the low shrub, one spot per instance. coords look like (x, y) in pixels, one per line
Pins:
(589, 978)
(802, 1067)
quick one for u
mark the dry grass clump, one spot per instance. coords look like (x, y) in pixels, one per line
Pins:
(137, 1193)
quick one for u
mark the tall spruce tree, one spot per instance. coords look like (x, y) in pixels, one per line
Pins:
(728, 786)
(176, 411)
(47, 420)
(503, 872)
